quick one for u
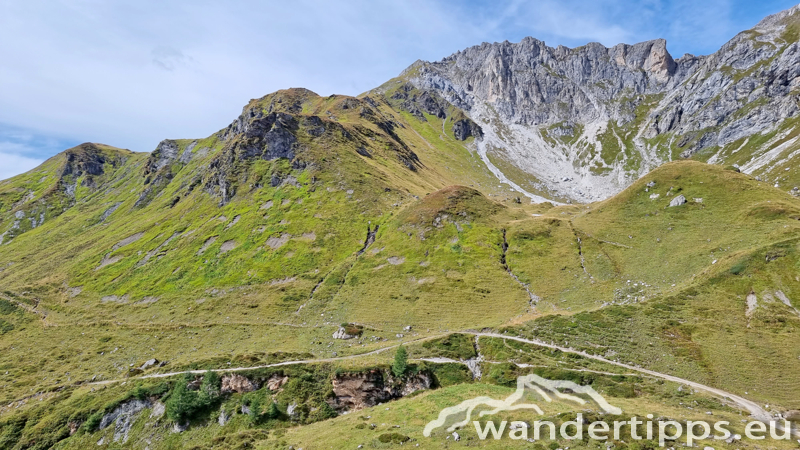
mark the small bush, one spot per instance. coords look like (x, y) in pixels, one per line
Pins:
(393, 438)
(93, 421)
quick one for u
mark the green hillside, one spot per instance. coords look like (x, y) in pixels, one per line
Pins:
(374, 215)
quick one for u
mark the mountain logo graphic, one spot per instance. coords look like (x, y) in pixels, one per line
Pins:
(534, 384)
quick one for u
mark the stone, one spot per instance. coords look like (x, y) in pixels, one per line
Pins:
(519, 425)
(149, 363)
(342, 334)
(236, 383)
(158, 410)
(396, 260)
(224, 417)
(276, 382)
(678, 201)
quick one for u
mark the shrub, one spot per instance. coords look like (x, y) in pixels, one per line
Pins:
(183, 404)
(400, 365)
(255, 409)
(393, 438)
(93, 421)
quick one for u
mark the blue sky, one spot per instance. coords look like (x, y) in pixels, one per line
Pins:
(130, 73)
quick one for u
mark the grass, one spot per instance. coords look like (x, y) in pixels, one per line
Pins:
(269, 273)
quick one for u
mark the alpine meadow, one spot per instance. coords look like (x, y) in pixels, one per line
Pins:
(332, 272)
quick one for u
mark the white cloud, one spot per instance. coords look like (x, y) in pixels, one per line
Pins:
(132, 73)
(11, 164)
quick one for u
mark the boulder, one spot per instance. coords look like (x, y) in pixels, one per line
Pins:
(342, 334)
(678, 201)
(149, 363)
(276, 382)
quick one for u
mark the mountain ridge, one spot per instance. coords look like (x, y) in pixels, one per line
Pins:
(603, 117)
(289, 249)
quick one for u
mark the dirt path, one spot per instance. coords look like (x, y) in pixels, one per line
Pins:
(265, 366)
(755, 410)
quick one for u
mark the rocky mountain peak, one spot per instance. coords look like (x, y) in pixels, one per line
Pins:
(651, 56)
(583, 123)
(777, 20)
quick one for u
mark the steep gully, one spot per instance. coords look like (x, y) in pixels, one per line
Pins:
(504, 249)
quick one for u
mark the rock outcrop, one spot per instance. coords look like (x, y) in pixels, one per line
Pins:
(237, 383)
(123, 417)
(602, 117)
(356, 391)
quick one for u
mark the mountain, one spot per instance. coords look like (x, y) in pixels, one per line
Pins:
(587, 122)
(248, 289)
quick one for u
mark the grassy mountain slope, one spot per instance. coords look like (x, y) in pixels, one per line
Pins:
(254, 246)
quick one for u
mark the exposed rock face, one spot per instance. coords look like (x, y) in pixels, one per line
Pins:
(465, 128)
(85, 159)
(362, 390)
(552, 112)
(123, 417)
(275, 382)
(237, 383)
(162, 156)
